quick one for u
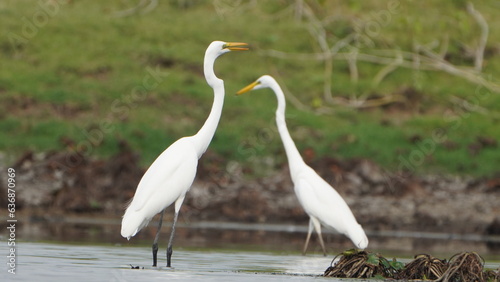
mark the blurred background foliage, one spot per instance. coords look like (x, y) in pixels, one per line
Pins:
(396, 82)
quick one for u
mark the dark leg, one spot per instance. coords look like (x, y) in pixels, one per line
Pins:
(155, 243)
(169, 248)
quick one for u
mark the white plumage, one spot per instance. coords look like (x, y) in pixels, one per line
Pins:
(166, 181)
(320, 201)
(171, 175)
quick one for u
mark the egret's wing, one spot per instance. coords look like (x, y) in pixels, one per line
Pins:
(166, 171)
(307, 197)
(324, 202)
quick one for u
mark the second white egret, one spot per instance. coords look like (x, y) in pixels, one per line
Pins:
(321, 202)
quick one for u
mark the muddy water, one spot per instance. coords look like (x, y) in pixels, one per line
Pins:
(86, 250)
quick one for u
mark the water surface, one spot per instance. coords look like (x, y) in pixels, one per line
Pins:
(65, 262)
(93, 250)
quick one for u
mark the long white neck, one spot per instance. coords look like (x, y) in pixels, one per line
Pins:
(292, 153)
(207, 131)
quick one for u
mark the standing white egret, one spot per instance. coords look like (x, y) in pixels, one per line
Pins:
(320, 201)
(170, 176)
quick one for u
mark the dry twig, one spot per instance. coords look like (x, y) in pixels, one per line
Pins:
(464, 267)
(478, 63)
(424, 266)
(143, 6)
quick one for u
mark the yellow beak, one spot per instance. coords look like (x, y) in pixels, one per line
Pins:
(236, 46)
(247, 88)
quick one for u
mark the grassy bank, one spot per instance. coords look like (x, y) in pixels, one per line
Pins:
(72, 76)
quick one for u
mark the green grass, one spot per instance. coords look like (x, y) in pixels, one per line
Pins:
(80, 67)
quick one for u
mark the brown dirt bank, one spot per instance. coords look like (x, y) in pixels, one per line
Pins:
(63, 183)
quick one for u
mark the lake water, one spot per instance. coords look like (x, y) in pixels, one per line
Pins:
(84, 251)
(61, 262)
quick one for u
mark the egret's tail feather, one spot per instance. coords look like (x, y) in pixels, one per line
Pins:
(132, 223)
(358, 237)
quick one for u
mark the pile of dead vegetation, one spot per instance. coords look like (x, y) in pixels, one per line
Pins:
(465, 266)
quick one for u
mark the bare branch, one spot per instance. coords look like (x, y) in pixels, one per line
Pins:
(359, 103)
(478, 62)
(317, 30)
(299, 9)
(353, 67)
(143, 5)
(388, 69)
(430, 62)
(472, 76)
(152, 5)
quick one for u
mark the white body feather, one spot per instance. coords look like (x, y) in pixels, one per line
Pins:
(167, 180)
(321, 201)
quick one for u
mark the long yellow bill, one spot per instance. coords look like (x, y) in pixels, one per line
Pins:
(236, 46)
(247, 88)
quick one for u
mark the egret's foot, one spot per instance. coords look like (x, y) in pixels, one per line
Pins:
(169, 256)
(135, 267)
(155, 252)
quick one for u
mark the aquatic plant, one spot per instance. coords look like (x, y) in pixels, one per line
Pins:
(361, 264)
(425, 267)
(465, 266)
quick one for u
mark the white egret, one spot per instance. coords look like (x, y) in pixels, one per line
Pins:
(170, 176)
(320, 201)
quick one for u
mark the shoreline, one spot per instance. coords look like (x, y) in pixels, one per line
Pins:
(418, 204)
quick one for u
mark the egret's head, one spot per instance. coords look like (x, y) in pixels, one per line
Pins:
(264, 81)
(218, 48)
